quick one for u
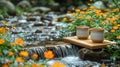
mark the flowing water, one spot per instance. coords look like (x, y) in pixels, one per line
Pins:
(59, 50)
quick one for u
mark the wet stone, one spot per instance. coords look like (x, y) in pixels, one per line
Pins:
(92, 55)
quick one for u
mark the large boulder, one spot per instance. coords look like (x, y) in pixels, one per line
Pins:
(92, 55)
(99, 5)
(41, 9)
(24, 4)
(7, 4)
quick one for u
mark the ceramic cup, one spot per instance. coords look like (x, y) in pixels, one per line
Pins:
(82, 32)
(97, 35)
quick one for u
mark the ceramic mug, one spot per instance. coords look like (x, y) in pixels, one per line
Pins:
(82, 32)
(97, 35)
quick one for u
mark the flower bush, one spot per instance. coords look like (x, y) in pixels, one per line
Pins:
(9, 50)
(13, 54)
(106, 19)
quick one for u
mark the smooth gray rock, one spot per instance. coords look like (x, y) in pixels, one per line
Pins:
(41, 9)
(99, 5)
(82, 6)
(24, 4)
(92, 55)
(10, 6)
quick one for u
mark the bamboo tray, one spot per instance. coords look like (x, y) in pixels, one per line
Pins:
(87, 43)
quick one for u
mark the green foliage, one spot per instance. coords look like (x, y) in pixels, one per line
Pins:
(4, 11)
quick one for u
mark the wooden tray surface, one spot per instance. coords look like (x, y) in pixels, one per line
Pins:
(87, 43)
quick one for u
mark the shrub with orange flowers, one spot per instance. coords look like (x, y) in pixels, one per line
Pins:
(9, 50)
(108, 19)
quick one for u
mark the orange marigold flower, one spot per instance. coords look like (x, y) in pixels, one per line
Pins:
(112, 31)
(58, 64)
(112, 19)
(2, 41)
(48, 54)
(3, 31)
(35, 56)
(10, 53)
(77, 10)
(82, 12)
(19, 41)
(91, 7)
(19, 59)
(24, 53)
(115, 27)
(115, 23)
(34, 65)
(5, 65)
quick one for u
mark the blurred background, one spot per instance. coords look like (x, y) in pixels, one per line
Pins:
(17, 7)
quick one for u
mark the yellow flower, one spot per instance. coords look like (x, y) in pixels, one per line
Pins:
(48, 54)
(13, 27)
(5, 23)
(88, 4)
(3, 31)
(19, 59)
(118, 24)
(64, 19)
(115, 10)
(70, 20)
(91, 7)
(68, 12)
(80, 17)
(90, 0)
(103, 22)
(24, 53)
(13, 44)
(41, 65)
(26, 66)
(84, 9)
(56, 20)
(73, 14)
(115, 27)
(77, 10)
(10, 53)
(2, 41)
(19, 41)
(5, 65)
(57, 64)
(103, 65)
(112, 31)
(35, 56)
(118, 37)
